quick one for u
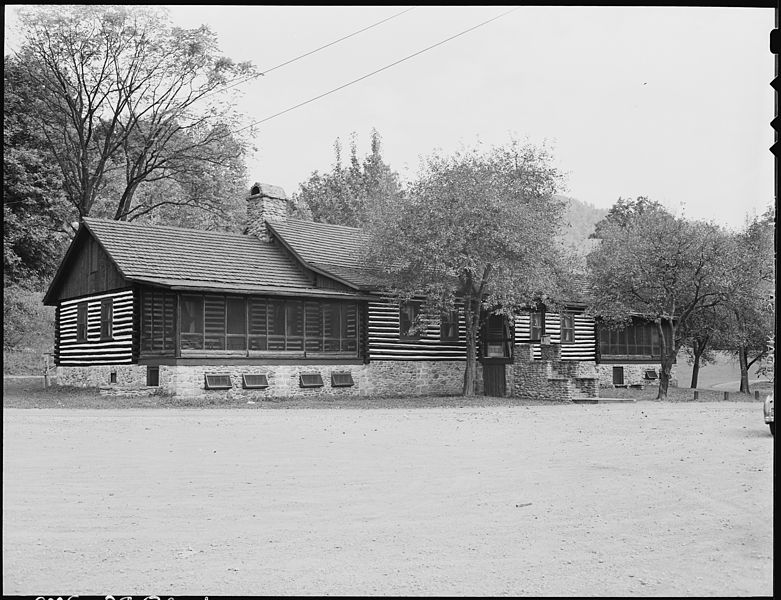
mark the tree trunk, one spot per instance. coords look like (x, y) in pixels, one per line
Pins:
(743, 359)
(699, 348)
(695, 371)
(472, 319)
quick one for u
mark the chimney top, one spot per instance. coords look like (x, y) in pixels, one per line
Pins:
(267, 190)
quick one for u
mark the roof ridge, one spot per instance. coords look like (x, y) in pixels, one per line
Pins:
(319, 223)
(169, 227)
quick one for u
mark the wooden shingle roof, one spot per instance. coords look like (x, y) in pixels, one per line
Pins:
(179, 257)
(335, 250)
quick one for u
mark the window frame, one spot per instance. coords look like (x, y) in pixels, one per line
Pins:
(82, 322)
(107, 319)
(567, 328)
(276, 326)
(413, 307)
(449, 325)
(540, 329)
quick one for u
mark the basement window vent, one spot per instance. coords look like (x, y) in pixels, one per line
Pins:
(310, 380)
(218, 382)
(651, 374)
(153, 376)
(255, 382)
(341, 379)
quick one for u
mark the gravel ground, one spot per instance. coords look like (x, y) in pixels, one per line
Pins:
(632, 499)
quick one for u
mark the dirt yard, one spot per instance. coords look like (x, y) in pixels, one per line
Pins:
(635, 499)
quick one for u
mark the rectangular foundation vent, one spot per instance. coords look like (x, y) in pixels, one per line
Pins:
(341, 379)
(651, 374)
(255, 382)
(218, 382)
(310, 380)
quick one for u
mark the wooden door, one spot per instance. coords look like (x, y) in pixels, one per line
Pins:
(494, 383)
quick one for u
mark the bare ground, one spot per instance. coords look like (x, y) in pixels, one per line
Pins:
(645, 498)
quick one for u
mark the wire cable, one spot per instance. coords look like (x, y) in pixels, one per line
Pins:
(341, 87)
(292, 60)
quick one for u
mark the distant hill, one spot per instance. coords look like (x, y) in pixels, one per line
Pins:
(578, 223)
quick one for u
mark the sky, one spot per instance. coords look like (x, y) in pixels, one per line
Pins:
(673, 103)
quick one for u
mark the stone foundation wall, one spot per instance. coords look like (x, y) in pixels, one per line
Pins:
(550, 378)
(633, 374)
(378, 378)
(100, 375)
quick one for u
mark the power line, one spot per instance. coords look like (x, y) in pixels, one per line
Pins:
(292, 60)
(341, 87)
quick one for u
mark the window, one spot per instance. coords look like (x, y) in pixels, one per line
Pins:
(153, 376)
(342, 379)
(251, 382)
(81, 322)
(448, 331)
(537, 329)
(497, 337)
(107, 319)
(191, 309)
(236, 324)
(567, 328)
(158, 321)
(618, 375)
(221, 381)
(637, 339)
(409, 316)
(308, 380)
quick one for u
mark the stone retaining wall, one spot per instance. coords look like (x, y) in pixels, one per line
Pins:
(634, 374)
(378, 378)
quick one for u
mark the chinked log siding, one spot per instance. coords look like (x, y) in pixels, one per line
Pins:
(582, 348)
(385, 343)
(94, 350)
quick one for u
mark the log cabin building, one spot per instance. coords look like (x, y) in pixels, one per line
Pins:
(285, 309)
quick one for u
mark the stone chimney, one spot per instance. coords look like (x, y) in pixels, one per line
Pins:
(265, 203)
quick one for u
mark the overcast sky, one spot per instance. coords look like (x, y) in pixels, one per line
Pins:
(671, 103)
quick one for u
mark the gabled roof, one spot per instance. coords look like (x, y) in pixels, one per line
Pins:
(334, 250)
(190, 258)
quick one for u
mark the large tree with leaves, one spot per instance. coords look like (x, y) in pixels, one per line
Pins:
(750, 303)
(346, 194)
(35, 214)
(477, 227)
(661, 267)
(119, 89)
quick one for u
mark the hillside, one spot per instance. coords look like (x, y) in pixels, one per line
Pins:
(578, 223)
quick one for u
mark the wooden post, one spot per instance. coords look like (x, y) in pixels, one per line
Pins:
(46, 371)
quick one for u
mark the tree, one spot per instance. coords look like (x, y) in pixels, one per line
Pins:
(345, 195)
(705, 333)
(120, 89)
(659, 267)
(477, 227)
(34, 210)
(751, 301)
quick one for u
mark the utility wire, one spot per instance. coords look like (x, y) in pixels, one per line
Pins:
(341, 87)
(292, 60)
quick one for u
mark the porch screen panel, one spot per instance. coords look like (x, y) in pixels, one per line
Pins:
(349, 327)
(331, 326)
(258, 327)
(313, 315)
(214, 319)
(236, 324)
(192, 322)
(295, 325)
(276, 325)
